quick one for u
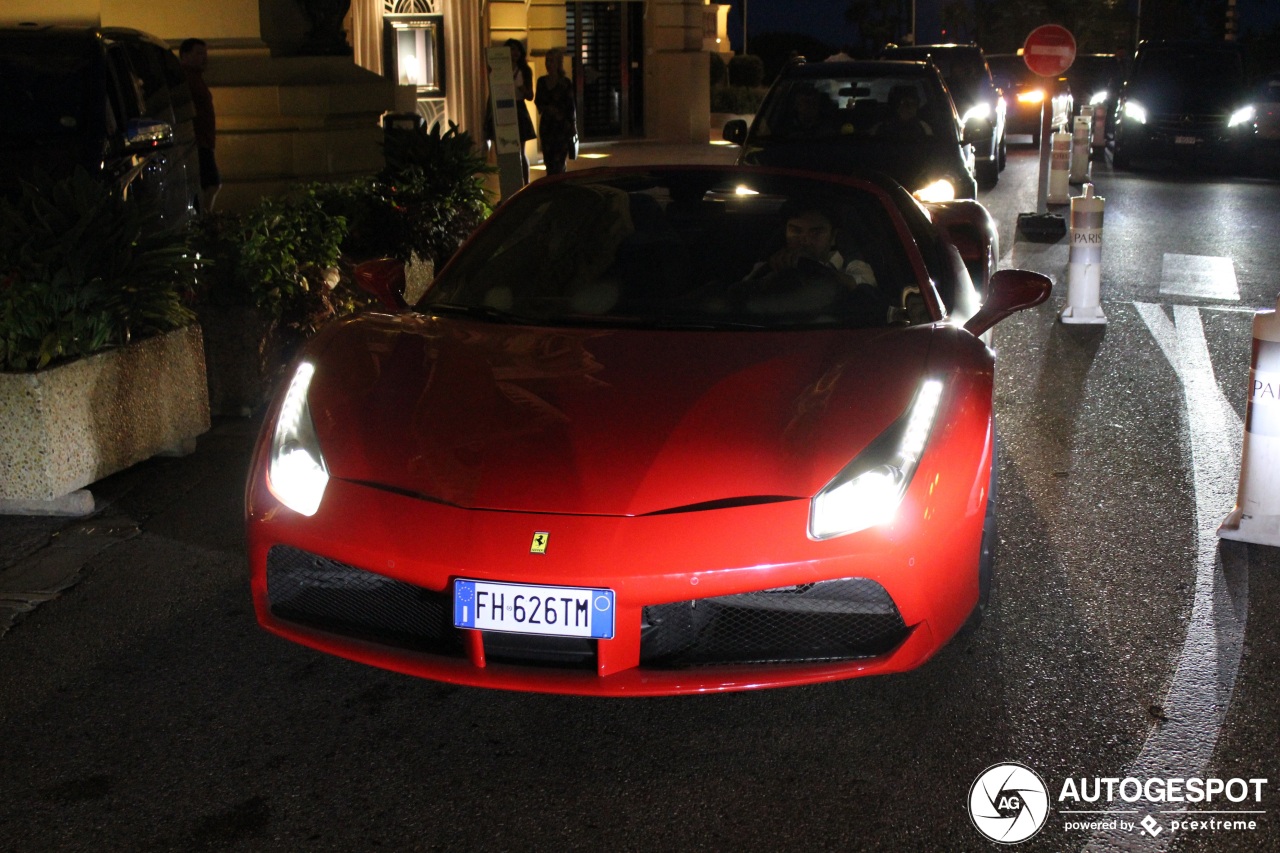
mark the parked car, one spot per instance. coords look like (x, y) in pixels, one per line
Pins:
(604, 455)
(1025, 94)
(113, 101)
(844, 116)
(1185, 100)
(980, 103)
(1266, 101)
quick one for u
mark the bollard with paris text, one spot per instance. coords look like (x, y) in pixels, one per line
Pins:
(1099, 126)
(1080, 134)
(1084, 262)
(1256, 517)
(1060, 169)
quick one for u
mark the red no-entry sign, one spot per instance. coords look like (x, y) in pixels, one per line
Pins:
(1049, 50)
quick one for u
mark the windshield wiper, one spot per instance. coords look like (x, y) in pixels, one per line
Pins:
(483, 312)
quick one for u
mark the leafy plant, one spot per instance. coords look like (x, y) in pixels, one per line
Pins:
(280, 257)
(427, 200)
(737, 99)
(81, 270)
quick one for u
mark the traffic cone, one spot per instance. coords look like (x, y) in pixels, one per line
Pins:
(1256, 517)
(1080, 150)
(1084, 262)
(1060, 169)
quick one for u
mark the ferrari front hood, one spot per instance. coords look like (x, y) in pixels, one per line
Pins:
(602, 422)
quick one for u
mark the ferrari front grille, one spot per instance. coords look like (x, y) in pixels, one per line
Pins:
(842, 619)
(322, 593)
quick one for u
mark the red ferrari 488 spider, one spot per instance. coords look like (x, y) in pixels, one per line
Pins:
(651, 431)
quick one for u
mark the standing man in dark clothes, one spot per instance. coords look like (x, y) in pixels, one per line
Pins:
(193, 54)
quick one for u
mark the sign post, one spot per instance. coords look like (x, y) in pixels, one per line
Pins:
(506, 124)
(1048, 51)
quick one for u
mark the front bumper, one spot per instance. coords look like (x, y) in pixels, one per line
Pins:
(1177, 137)
(369, 578)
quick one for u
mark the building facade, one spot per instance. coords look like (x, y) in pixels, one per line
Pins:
(288, 112)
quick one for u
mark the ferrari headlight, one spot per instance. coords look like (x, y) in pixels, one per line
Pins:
(1242, 115)
(939, 190)
(1034, 96)
(1135, 111)
(870, 489)
(977, 111)
(296, 473)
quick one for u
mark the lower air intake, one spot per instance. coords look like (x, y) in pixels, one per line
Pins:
(830, 620)
(323, 593)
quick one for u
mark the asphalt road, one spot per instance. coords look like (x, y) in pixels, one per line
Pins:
(141, 708)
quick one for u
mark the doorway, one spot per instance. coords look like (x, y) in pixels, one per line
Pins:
(606, 41)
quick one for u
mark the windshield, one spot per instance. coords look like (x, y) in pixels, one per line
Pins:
(47, 93)
(856, 110)
(682, 252)
(1200, 68)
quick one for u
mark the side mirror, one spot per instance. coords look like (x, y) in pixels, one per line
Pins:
(384, 278)
(735, 131)
(1008, 292)
(141, 134)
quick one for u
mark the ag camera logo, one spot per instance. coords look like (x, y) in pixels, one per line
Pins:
(1008, 803)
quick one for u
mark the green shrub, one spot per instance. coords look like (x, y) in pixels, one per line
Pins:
(719, 71)
(289, 256)
(82, 271)
(737, 99)
(746, 70)
(427, 200)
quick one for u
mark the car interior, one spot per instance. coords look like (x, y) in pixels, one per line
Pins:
(662, 256)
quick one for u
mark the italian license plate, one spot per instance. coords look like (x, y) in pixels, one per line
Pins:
(555, 611)
(1185, 140)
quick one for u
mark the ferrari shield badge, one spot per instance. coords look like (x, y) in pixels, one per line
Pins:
(539, 545)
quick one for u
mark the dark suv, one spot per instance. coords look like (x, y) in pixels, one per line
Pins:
(113, 101)
(978, 99)
(1182, 100)
(892, 117)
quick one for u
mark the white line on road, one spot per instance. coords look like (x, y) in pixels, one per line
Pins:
(1199, 276)
(1198, 699)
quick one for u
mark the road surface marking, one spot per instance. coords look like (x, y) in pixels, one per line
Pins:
(1200, 694)
(1199, 276)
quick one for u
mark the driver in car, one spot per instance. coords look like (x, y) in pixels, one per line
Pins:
(809, 273)
(810, 236)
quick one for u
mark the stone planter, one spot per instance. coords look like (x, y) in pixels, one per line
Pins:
(71, 425)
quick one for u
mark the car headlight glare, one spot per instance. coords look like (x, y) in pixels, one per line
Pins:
(1099, 97)
(868, 492)
(940, 190)
(1242, 115)
(1137, 112)
(1034, 96)
(296, 473)
(977, 112)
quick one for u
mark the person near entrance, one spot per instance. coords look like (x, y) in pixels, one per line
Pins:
(193, 56)
(557, 113)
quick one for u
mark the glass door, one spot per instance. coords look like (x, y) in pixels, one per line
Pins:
(606, 41)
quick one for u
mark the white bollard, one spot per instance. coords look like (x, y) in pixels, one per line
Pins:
(1084, 263)
(1256, 517)
(1060, 169)
(1099, 124)
(1080, 150)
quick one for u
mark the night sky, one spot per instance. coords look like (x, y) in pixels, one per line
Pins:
(824, 19)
